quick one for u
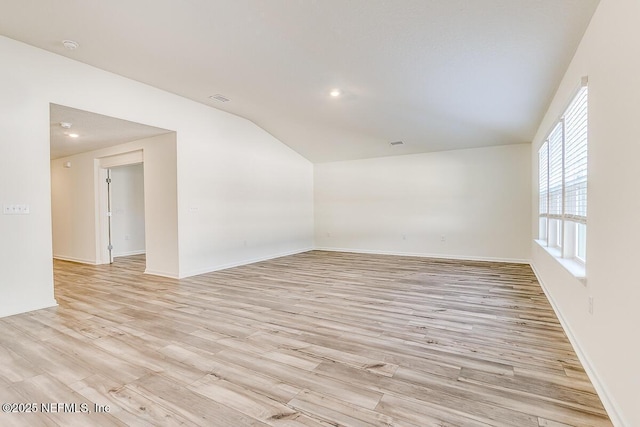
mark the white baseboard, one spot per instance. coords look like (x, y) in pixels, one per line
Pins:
(129, 253)
(27, 308)
(424, 255)
(73, 259)
(603, 392)
(161, 274)
(242, 262)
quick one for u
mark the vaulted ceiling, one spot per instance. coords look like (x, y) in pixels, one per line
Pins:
(435, 74)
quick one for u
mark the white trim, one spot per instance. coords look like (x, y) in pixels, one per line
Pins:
(100, 166)
(129, 253)
(584, 81)
(240, 263)
(100, 202)
(27, 308)
(122, 159)
(73, 259)
(576, 268)
(603, 392)
(424, 255)
(162, 274)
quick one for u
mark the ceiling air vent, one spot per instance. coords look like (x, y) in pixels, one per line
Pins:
(397, 143)
(219, 98)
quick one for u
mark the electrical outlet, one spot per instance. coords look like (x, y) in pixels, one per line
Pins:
(443, 238)
(590, 305)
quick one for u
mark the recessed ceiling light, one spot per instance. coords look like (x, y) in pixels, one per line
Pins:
(335, 92)
(65, 125)
(70, 44)
(74, 135)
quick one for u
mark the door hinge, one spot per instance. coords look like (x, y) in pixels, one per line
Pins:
(108, 180)
(110, 247)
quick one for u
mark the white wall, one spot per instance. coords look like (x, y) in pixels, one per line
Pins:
(478, 199)
(74, 209)
(235, 182)
(242, 200)
(608, 340)
(127, 206)
(26, 279)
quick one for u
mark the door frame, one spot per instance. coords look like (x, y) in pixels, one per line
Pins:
(101, 165)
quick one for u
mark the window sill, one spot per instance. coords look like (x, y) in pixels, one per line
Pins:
(576, 268)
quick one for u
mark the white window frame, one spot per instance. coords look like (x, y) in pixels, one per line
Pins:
(562, 215)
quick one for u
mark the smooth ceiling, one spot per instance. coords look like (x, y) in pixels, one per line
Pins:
(95, 131)
(436, 74)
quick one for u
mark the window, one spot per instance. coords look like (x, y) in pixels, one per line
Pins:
(543, 205)
(562, 177)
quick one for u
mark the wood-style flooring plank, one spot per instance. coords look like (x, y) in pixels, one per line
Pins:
(314, 339)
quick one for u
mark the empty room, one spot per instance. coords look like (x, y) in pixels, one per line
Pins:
(319, 213)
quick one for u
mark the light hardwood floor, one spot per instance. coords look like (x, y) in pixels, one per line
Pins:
(312, 339)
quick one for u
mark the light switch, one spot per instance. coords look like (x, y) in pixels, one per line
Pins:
(20, 209)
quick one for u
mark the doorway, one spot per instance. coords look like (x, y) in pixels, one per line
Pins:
(141, 158)
(125, 185)
(120, 206)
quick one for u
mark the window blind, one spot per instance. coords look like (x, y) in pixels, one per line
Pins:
(562, 180)
(555, 171)
(575, 158)
(543, 158)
